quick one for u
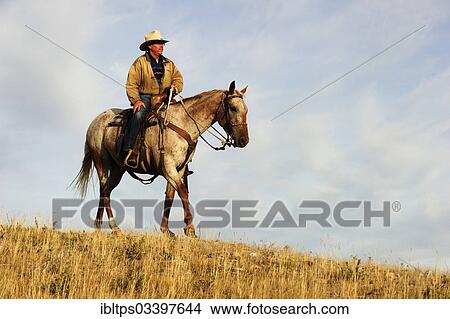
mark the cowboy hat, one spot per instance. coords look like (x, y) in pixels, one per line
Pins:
(152, 36)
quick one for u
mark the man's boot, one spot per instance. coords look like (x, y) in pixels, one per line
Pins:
(188, 172)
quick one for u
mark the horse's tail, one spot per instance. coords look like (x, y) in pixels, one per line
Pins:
(83, 176)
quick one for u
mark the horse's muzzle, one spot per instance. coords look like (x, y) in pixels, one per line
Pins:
(240, 135)
(241, 141)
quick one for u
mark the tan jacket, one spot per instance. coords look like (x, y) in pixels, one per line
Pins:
(142, 80)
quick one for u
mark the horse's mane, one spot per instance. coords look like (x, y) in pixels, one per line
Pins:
(196, 98)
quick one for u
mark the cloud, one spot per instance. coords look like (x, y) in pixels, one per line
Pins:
(379, 134)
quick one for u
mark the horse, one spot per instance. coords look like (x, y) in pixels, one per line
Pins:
(194, 116)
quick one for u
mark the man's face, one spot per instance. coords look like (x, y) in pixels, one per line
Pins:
(156, 48)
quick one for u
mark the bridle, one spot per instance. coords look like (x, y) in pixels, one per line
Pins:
(228, 126)
(225, 140)
(226, 108)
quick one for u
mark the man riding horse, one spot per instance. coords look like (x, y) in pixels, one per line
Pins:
(168, 146)
(150, 74)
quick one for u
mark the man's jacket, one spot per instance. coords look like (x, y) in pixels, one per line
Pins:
(142, 80)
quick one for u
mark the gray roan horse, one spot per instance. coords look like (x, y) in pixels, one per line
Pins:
(198, 113)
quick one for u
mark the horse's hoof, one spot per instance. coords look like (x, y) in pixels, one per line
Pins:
(166, 231)
(98, 225)
(117, 232)
(190, 231)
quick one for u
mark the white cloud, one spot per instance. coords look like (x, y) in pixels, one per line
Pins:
(378, 134)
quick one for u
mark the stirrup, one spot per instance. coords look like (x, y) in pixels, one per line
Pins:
(125, 162)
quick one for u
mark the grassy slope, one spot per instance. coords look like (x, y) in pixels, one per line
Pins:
(42, 263)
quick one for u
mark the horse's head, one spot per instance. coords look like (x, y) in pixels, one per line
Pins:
(234, 117)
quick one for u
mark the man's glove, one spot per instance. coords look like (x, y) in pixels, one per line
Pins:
(174, 91)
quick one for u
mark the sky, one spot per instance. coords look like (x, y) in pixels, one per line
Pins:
(382, 133)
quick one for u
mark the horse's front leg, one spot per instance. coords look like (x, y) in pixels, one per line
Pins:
(189, 229)
(170, 193)
(175, 179)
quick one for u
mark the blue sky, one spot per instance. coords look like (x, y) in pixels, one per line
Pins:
(382, 133)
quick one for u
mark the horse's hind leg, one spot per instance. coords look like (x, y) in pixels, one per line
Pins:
(115, 175)
(99, 216)
(102, 171)
(109, 177)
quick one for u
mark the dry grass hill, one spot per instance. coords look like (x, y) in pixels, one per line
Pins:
(36, 262)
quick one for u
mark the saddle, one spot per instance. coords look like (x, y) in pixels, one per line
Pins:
(140, 150)
(145, 162)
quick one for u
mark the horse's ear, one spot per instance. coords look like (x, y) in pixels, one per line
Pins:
(244, 90)
(231, 88)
